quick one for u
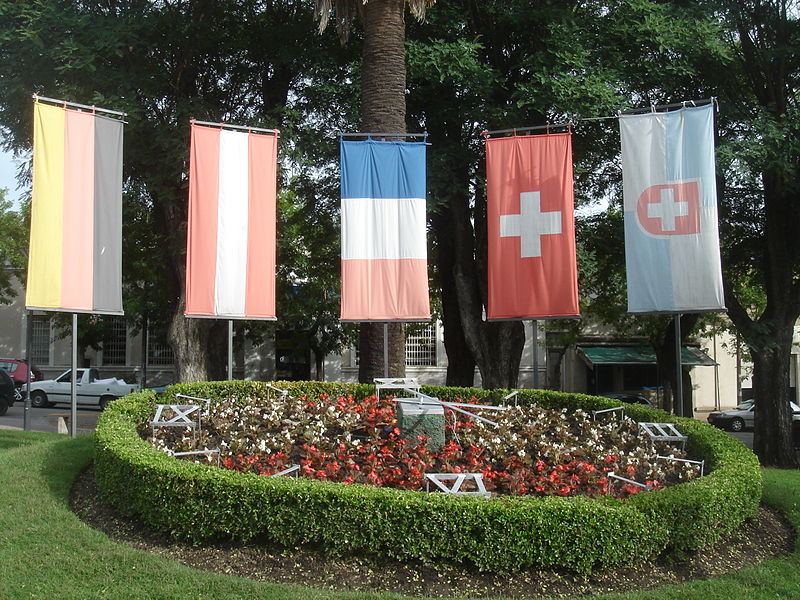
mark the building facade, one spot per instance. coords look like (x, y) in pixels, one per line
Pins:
(596, 364)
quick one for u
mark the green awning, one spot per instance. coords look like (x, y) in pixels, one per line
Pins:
(639, 355)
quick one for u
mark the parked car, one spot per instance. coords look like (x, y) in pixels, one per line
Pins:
(18, 370)
(742, 417)
(91, 389)
(629, 398)
(6, 392)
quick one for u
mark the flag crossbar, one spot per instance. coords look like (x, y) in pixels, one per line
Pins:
(424, 134)
(631, 111)
(38, 98)
(229, 126)
(515, 130)
(662, 107)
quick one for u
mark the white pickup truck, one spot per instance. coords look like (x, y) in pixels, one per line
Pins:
(92, 390)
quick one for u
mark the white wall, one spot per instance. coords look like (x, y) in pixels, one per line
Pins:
(715, 387)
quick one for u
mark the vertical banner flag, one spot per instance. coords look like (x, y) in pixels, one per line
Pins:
(384, 250)
(230, 253)
(532, 266)
(669, 189)
(75, 260)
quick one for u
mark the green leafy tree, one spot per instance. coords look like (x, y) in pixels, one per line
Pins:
(476, 66)
(162, 63)
(308, 271)
(759, 187)
(13, 248)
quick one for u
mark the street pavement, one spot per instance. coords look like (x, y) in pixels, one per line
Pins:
(46, 419)
(746, 437)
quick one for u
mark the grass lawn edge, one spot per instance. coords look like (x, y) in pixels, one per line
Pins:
(47, 552)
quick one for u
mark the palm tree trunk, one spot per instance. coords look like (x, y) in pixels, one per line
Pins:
(383, 110)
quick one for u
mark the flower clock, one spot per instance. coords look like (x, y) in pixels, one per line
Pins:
(531, 451)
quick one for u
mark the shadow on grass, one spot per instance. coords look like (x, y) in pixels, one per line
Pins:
(60, 467)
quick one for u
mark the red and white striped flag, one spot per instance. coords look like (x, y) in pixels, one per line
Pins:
(532, 264)
(230, 257)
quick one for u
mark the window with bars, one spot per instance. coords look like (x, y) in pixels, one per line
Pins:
(158, 351)
(115, 342)
(40, 340)
(421, 347)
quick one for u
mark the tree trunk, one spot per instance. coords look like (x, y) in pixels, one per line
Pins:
(496, 346)
(688, 394)
(772, 439)
(770, 336)
(766, 33)
(216, 355)
(371, 360)
(460, 363)
(667, 363)
(770, 343)
(189, 340)
(448, 184)
(319, 362)
(383, 110)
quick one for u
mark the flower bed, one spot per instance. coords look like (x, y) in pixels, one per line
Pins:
(199, 502)
(343, 439)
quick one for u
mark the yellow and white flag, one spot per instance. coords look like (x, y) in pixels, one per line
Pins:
(75, 260)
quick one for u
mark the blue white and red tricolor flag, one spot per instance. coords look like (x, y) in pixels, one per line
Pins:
(670, 196)
(384, 249)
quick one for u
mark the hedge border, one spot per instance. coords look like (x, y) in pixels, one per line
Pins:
(198, 503)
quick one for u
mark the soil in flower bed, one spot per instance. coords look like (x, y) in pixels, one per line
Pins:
(766, 536)
(528, 451)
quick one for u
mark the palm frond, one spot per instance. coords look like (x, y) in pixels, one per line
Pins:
(418, 8)
(345, 12)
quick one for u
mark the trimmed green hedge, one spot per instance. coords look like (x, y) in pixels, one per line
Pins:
(198, 503)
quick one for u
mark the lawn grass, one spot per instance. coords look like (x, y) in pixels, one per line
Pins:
(46, 552)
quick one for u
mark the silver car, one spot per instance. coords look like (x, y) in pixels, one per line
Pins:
(742, 417)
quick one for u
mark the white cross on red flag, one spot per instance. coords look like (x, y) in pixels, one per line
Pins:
(532, 266)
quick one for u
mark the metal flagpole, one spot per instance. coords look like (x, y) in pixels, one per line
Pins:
(536, 354)
(73, 414)
(230, 349)
(679, 374)
(26, 414)
(145, 350)
(386, 349)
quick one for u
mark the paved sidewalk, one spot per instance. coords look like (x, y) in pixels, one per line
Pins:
(46, 419)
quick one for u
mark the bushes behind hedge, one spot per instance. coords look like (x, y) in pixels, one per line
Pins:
(198, 503)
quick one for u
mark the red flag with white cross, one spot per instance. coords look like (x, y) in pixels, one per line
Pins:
(532, 265)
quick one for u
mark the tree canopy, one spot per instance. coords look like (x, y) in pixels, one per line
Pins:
(472, 65)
